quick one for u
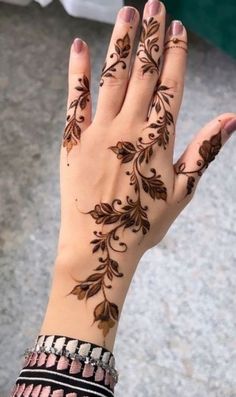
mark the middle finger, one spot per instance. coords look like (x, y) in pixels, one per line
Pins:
(145, 71)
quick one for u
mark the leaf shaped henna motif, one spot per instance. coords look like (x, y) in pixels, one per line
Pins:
(72, 130)
(148, 46)
(154, 186)
(131, 214)
(208, 151)
(122, 50)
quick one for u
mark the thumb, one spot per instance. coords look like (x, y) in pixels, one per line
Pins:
(200, 153)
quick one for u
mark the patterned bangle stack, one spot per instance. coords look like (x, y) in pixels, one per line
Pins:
(75, 366)
(75, 350)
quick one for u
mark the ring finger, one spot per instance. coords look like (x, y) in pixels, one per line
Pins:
(169, 91)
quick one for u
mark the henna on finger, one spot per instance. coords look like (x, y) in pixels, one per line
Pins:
(161, 99)
(72, 131)
(208, 151)
(148, 47)
(122, 50)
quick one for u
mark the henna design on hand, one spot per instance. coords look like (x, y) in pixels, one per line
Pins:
(161, 98)
(208, 151)
(106, 313)
(148, 46)
(122, 50)
(131, 214)
(72, 130)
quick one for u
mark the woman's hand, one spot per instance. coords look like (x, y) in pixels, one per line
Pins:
(120, 191)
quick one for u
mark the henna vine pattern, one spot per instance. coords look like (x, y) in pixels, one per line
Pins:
(122, 50)
(131, 214)
(208, 151)
(148, 46)
(72, 131)
(161, 98)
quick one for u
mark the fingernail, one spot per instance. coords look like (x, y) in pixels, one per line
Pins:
(78, 45)
(127, 14)
(153, 7)
(230, 126)
(176, 28)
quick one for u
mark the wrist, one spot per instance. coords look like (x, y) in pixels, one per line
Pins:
(86, 303)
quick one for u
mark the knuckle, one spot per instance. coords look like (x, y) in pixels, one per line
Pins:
(184, 190)
(114, 81)
(174, 85)
(141, 75)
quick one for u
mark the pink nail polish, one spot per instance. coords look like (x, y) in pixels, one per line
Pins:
(153, 7)
(127, 14)
(230, 126)
(176, 28)
(78, 45)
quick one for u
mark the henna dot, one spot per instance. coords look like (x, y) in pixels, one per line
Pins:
(68, 164)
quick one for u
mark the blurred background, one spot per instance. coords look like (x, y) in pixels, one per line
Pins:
(177, 333)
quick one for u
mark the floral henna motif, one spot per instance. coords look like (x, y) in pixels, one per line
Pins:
(148, 46)
(106, 313)
(131, 214)
(122, 50)
(72, 130)
(208, 151)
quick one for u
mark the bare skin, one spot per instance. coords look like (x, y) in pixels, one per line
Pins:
(120, 191)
